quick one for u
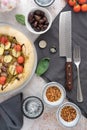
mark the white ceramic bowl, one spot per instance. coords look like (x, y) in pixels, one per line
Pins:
(47, 14)
(32, 107)
(44, 3)
(71, 123)
(60, 100)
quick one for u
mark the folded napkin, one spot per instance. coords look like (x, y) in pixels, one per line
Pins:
(56, 71)
(11, 117)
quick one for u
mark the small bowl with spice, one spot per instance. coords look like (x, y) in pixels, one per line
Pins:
(53, 94)
(32, 107)
(68, 114)
(38, 20)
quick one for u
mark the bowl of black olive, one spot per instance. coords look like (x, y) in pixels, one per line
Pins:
(38, 20)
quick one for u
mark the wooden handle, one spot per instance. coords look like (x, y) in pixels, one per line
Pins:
(69, 75)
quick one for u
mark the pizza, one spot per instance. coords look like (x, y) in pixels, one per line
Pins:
(17, 58)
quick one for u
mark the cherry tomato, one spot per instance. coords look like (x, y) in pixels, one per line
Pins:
(3, 40)
(18, 47)
(84, 8)
(19, 69)
(6, 43)
(20, 59)
(82, 1)
(2, 80)
(77, 8)
(72, 2)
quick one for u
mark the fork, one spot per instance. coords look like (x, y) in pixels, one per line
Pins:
(77, 61)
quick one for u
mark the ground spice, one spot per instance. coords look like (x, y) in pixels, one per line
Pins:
(68, 113)
(53, 93)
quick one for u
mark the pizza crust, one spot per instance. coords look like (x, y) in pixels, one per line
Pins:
(30, 53)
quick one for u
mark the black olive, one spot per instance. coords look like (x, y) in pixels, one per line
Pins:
(45, 19)
(47, 23)
(5, 64)
(30, 17)
(3, 68)
(37, 29)
(40, 25)
(45, 27)
(6, 52)
(37, 17)
(37, 12)
(38, 20)
(41, 21)
(35, 24)
(42, 14)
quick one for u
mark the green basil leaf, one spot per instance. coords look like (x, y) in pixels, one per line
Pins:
(20, 18)
(42, 66)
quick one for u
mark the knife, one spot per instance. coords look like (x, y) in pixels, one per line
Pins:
(65, 45)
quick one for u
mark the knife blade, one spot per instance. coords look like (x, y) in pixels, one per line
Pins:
(65, 44)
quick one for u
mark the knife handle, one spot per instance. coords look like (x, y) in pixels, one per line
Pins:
(69, 75)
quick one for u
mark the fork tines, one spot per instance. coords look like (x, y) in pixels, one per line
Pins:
(76, 53)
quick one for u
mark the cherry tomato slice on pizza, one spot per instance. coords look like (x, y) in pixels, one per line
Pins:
(2, 80)
(19, 69)
(18, 47)
(20, 59)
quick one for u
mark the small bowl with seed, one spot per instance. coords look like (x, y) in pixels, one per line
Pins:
(38, 20)
(53, 94)
(68, 114)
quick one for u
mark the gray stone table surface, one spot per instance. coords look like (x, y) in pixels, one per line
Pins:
(48, 119)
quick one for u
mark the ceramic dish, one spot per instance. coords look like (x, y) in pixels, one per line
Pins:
(32, 107)
(68, 121)
(58, 94)
(47, 15)
(24, 83)
(44, 3)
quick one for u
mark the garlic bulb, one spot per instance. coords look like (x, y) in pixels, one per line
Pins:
(8, 5)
